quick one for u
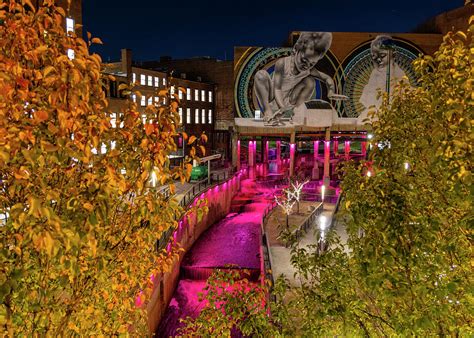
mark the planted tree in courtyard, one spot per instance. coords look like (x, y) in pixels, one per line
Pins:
(78, 242)
(406, 269)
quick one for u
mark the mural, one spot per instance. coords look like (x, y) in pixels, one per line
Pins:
(307, 85)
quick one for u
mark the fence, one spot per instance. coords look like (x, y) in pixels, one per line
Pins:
(188, 198)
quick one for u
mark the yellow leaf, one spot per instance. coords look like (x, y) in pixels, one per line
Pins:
(192, 139)
(88, 206)
(97, 41)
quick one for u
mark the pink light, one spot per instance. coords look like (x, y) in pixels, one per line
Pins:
(175, 234)
(168, 247)
(139, 300)
(152, 278)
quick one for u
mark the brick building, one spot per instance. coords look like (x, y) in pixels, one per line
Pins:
(197, 98)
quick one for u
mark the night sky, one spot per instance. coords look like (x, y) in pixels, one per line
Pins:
(184, 28)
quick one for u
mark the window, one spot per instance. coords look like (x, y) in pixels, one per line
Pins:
(203, 95)
(134, 98)
(157, 81)
(203, 116)
(209, 116)
(196, 95)
(172, 90)
(134, 77)
(164, 100)
(150, 100)
(157, 100)
(69, 25)
(196, 116)
(180, 111)
(144, 118)
(150, 81)
(210, 95)
(188, 94)
(164, 82)
(143, 79)
(180, 94)
(143, 101)
(188, 115)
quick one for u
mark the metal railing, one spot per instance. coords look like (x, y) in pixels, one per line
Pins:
(303, 228)
(197, 189)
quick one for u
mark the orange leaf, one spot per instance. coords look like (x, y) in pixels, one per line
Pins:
(41, 115)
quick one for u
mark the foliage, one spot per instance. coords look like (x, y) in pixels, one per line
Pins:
(231, 302)
(78, 243)
(406, 268)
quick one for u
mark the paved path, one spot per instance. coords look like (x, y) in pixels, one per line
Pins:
(281, 256)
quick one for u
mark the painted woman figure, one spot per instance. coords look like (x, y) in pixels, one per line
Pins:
(293, 78)
(386, 74)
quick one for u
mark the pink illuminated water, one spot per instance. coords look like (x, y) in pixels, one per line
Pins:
(234, 240)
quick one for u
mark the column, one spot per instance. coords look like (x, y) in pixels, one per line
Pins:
(292, 154)
(252, 153)
(327, 154)
(235, 151)
(278, 151)
(336, 147)
(265, 149)
(315, 172)
(347, 149)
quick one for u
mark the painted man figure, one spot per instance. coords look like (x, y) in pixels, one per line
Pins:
(293, 79)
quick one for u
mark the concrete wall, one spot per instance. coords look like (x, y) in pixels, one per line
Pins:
(219, 202)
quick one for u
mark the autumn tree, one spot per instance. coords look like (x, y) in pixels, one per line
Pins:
(78, 242)
(406, 269)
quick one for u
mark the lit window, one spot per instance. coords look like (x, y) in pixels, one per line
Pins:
(180, 111)
(196, 116)
(203, 95)
(103, 148)
(196, 95)
(164, 100)
(150, 100)
(143, 79)
(157, 81)
(188, 94)
(188, 115)
(134, 77)
(210, 96)
(143, 118)
(172, 90)
(143, 101)
(150, 81)
(70, 54)
(134, 98)
(69, 25)
(164, 82)
(112, 144)
(180, 94)
(209, 116)
(157, 100)
(203, 116)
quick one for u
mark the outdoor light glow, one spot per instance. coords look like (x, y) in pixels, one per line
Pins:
(369, 173)
(323, 189)
(154, 179)
(370, 136)
(322, 222)
(406, 165)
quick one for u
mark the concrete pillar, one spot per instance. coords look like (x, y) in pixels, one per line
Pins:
(278, 151)
(315, 172)
(292, 154)
(347, 149)
(235, 151)
(265, 149)
(327, 154)
(252, 153)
